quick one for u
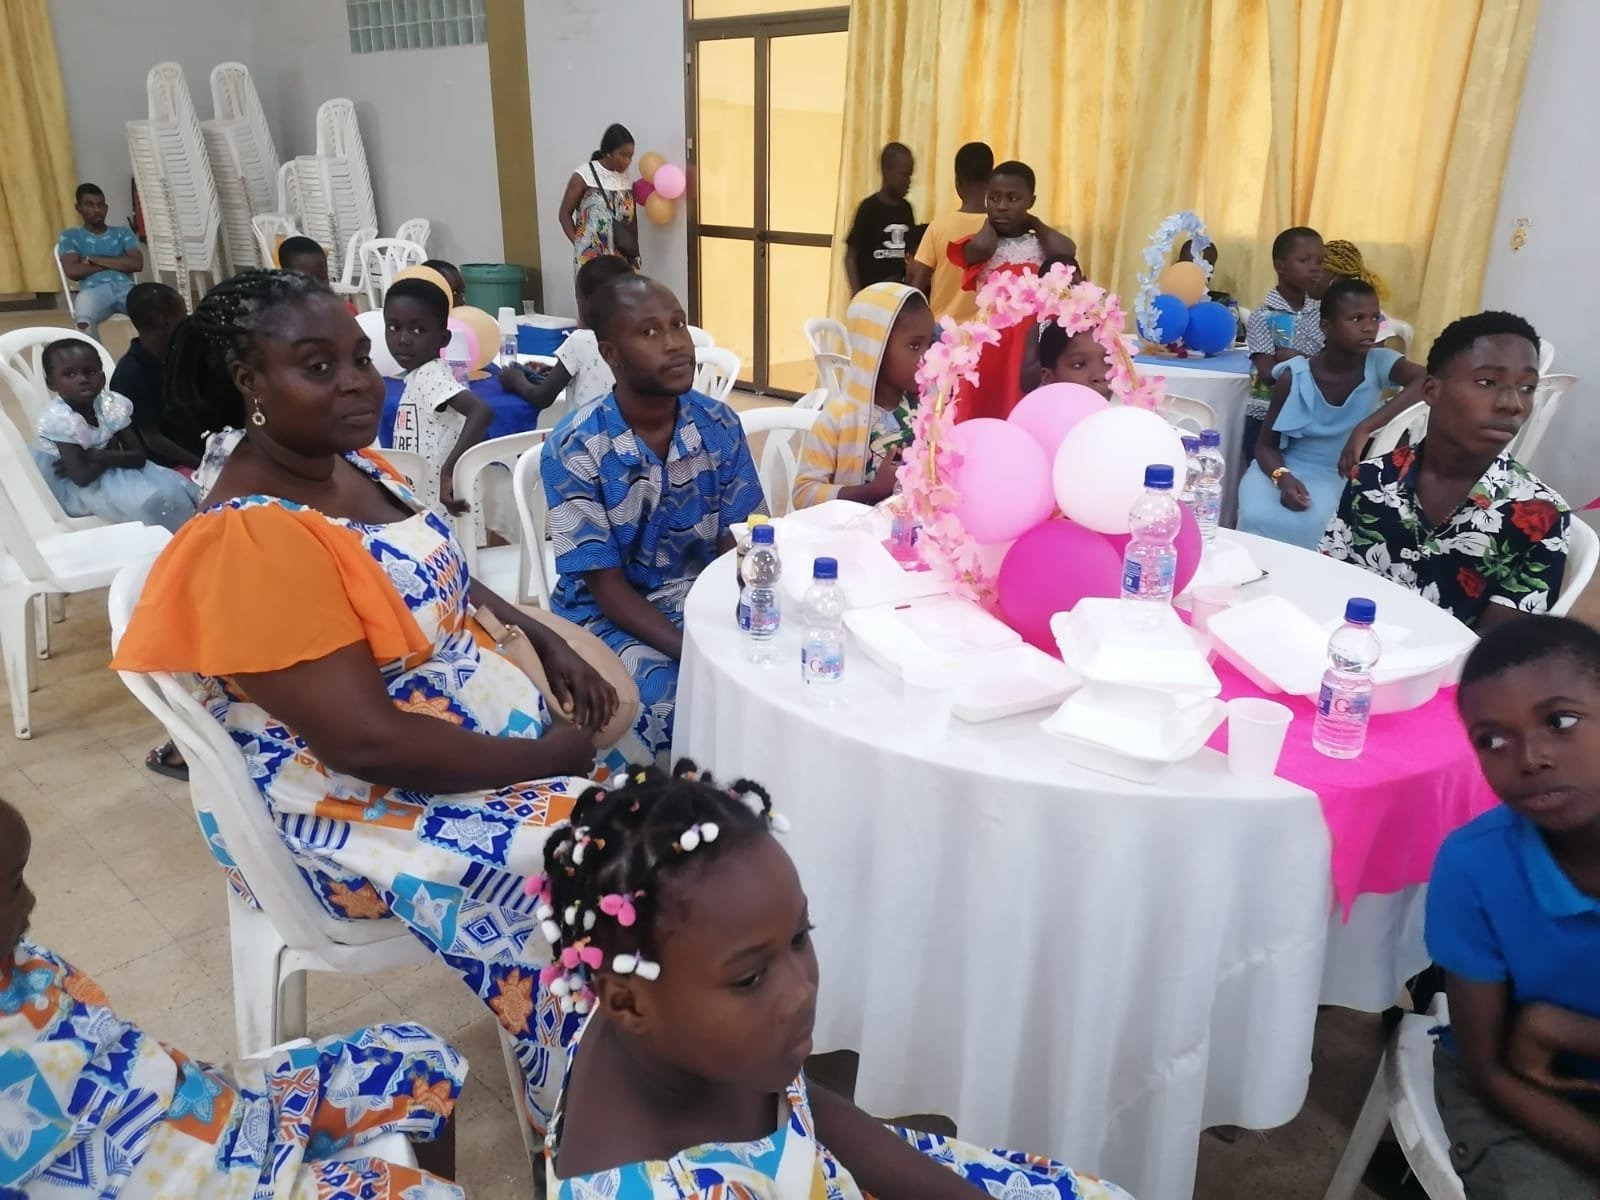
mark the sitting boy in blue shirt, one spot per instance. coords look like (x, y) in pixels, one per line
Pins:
(101, 259)
(1514, 919)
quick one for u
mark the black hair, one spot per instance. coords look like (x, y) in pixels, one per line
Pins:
(221, 331)
(974, 163)
(149, 303)
(1459, 335)
(87, 189)
(611, 139)
(445, 267)
(1053, 341)
(299, 247)
(1343, 289)
(597, 272)
(889, 151)
(66, 345)
(610, 296)
(424, 293)
(623, 842)
(1284, 242)
(1016, 170)
(1531, 639)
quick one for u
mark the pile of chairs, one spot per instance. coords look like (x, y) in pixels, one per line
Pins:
(244, 161)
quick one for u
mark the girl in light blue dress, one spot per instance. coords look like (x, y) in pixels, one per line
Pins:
(89, 454)
(1324, 409)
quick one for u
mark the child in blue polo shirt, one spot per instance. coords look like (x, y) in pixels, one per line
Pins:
(1514, 919)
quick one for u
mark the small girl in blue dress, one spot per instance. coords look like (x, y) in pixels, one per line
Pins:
(90, 455)
(1324, 409)
(682, 941)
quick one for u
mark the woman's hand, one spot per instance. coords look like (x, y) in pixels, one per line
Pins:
(581, 694)
(1293, 494)
(570, 747)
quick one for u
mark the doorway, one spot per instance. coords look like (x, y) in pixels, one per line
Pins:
(766, 97)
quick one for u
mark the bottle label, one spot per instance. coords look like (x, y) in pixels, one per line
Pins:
(744, 616)
(824, 667)
(1351, 706)
(1131, 576)
(1133, 579)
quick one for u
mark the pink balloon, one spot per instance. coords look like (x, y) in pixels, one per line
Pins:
(1189, 545)
(670, 181)
(1047, 413)
(1049, 569)
(643, 189)
(1003, 480)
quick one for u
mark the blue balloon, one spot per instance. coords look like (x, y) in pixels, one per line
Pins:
(1211, 327)
(1172, 318)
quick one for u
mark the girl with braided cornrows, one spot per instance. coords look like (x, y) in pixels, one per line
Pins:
(412, 769)
(683, 939)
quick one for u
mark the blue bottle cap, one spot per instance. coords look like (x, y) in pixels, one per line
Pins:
(1360, 611)
(825, 568)
(1211, 437)
(762, 535)
(1158, 475)
(1191, 442)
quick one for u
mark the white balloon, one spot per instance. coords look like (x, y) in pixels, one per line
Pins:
(1099, 467)
(371, 323)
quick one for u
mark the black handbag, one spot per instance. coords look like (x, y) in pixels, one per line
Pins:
(624, 234)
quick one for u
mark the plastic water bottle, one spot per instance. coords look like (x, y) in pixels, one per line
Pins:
(508, 336)
(1191, 450)
(1208, 485)
(1151, 561)
(822, 638)
(903, 527)
(759, 608)
(752, 522)
(1345, 703)
(461, 369)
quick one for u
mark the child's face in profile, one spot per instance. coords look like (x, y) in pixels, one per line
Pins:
(1354, 327)
(1536, 728)
(907, 342)
(1083, 361)
(1302, 267)
(1008, 202)
(76, 375)
(415, 335)
(16, 901)
(897, 175)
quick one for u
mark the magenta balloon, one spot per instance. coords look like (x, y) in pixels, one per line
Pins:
(1049, 569)
(670, 181)
(1189, 545)
(643, 189)
(1047, 413)
(1003, 480)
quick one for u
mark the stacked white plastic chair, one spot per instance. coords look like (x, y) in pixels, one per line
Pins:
(172, 169)
(244, 161)
(335, 189)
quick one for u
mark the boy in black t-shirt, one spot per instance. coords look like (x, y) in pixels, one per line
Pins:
(877, 237)
(155, 310)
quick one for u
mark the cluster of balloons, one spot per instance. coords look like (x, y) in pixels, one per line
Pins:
(474, 334)
(1046, 494)
(1184, 315)
(658, 187)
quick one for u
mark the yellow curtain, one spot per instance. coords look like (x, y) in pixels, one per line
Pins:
(36, 180)
(1386, 122)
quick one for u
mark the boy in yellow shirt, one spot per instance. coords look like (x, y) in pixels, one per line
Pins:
(931, 272)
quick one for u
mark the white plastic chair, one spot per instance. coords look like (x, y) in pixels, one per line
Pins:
(275, 945)
(538, 557)
(69, 290)
(716, 371)
(1547, 355)
(813, 401)
(503, 569)
(779, 461)
(384, 258)
(1583, 554)
(22, 361)
(1413, 421)
(415, 230)
(701, 339)
(269, 228)
(1552, 390)
(1391, 327)
(408, 462)
(352, 285)
(1187, 413)
(830, 350)
(1402, 1097)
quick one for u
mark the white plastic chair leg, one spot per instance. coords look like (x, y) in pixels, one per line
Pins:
(15, 647)
(1364, 1136)
(41, 629)
(519, 1091)
(257, 955)
(58, 607)
(292, 1021)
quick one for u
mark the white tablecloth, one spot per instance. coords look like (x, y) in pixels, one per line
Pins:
(1227, 393)
(1061, 961)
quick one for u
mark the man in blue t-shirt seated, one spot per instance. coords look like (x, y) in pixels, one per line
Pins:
(101, 259)
(1514, 920)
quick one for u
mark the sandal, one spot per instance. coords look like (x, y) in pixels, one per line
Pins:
(165, 760)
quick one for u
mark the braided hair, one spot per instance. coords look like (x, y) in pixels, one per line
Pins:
(222, 331)
(599, 896)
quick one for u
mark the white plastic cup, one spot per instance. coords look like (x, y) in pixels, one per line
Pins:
(930, 697)
(530, 309)
(1206, 602)
(1256, 730)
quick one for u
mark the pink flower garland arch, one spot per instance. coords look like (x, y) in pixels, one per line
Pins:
(1004, 301)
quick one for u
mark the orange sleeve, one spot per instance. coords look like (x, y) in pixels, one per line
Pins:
(256, 589)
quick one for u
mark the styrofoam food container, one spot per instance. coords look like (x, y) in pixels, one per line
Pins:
(1138, 722)
(1098, 641)
(1136, 768)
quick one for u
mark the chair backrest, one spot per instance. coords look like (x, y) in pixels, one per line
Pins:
(1185, 412)
(501, 451)
(701, 338)
(408, 462)
(716, 371)
(415, 230)
(828, 336)
(269, 229)
(778, 461)
(354, 277)
(384, 258)
(830, 372)
(528, 489)
(1414, 421)
(813, 401)
(1391, 327)
(22, 350)
(1547, 355)
(1546, 400)
(1583, 554)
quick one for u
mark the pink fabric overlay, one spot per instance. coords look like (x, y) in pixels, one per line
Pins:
(1389, 810)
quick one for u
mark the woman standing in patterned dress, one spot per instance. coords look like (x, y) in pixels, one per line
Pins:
(597, 210)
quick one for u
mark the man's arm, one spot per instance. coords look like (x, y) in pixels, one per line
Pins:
(629, 611)
(76, 266)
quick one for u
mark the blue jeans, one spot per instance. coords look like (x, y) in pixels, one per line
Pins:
(99, 301)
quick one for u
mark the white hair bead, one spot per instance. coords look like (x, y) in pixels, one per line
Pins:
(588, 920)
(690, 838)
(559, 987)
(552, 932)
(544, 912)
(710, 830)
(645, 969)
(780, 823)
(625, 964)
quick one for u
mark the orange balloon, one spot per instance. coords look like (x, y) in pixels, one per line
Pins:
(1185, 280)
(659, 209)
(438, 281)
(649, 163)
(484, 328)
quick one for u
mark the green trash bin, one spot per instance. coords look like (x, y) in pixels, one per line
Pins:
(492, 286)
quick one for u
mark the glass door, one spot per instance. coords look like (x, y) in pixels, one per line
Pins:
(768, 100)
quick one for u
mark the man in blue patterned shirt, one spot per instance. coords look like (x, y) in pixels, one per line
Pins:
(644, 486)
(101, 259)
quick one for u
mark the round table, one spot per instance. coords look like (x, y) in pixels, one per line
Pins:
(1063, 962)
